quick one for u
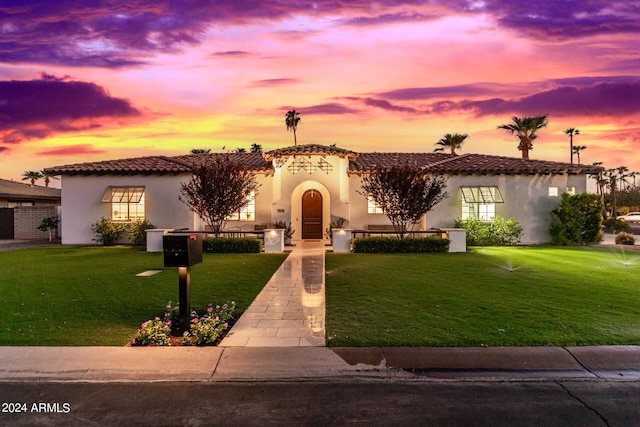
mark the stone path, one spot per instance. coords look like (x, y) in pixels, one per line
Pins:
(290, 310)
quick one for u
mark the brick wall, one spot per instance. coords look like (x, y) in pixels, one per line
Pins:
(28, 218)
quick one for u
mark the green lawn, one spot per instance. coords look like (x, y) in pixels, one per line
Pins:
(91, 295)
(493, 296)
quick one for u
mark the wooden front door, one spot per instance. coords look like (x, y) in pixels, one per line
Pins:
(312, 215)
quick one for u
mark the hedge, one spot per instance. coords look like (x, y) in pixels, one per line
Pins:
(373, 245)
(231, 245)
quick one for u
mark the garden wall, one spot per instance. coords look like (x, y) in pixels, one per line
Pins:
(26, 220)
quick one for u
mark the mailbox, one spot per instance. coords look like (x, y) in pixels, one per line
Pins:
(182, 250)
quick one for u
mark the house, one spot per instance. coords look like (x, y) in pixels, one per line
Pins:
(22, 208)
(311, 186)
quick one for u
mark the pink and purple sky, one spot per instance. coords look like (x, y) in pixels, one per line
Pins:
(84, 81)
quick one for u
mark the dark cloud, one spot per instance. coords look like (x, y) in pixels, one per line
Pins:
(35, 109)
(608, 98)
(414, 93)
(115, 33)
(557, 20)
(391, 18)
(386, 105)
(72, 150)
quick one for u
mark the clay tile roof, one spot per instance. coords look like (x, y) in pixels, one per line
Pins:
(309, 149)
(367, 161)
(468, 164)
(360, 163)
(480, 163)
(19, 191)
(154, 165)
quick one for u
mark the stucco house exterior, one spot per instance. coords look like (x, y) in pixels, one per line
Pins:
(311, 186)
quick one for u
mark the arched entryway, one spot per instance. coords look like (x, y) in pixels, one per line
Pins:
(312, 215)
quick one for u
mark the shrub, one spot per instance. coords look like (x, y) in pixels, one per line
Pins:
(109, 232)
(288, 231)
(136, 231)
(408, 245)
(204, 330)
(625, 239)
(500, 232)
(615, 224)
(577, 220)
(208, 328)
(231, 245)
(154, 331)
(48, 224)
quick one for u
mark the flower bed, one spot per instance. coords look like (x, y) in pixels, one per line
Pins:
(206, 328)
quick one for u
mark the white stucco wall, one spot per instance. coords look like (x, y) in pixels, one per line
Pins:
(279, 198)
(289, 188)
(526, 198)
(82, 206)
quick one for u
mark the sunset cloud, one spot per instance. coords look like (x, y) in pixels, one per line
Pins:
(153, 77)
(35, 109)
(73, 150)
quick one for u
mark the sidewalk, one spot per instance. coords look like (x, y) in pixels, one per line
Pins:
(249, 364)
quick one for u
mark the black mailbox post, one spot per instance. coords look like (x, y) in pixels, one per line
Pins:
(183, 251)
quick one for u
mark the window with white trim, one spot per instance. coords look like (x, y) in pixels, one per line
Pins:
(571, 190)
(554, 192)
(127, 203)
(480, 202)
(373, 207)
(248, 213)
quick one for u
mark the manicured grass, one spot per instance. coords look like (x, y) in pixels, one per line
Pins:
(493, 296)
(91, 295)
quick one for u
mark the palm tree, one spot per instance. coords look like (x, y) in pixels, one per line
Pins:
(577, 149)
(291, 119)
(47, 177)
(453, 142)
(241, 150)
(201, 150)
(32, 176)
(256, 148)
(600, 180)
(525, 129)
(622, 176)
(612, 177)
(571, 132)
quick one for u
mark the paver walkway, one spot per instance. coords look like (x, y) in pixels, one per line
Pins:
(290, 310)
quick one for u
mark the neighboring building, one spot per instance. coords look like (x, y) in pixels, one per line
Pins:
(22, 208)
(13, 194)
(312, 186)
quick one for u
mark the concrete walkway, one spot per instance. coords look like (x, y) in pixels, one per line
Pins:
(290, 310)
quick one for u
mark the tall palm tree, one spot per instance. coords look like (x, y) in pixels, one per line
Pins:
(291, 119)
(525, 129)
(31, 176)
(256, 148)
(453, 142)
(622, 176)
(47, 177)
(571, 132)
(577, 149)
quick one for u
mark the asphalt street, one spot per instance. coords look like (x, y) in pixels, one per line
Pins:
(433, 403)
